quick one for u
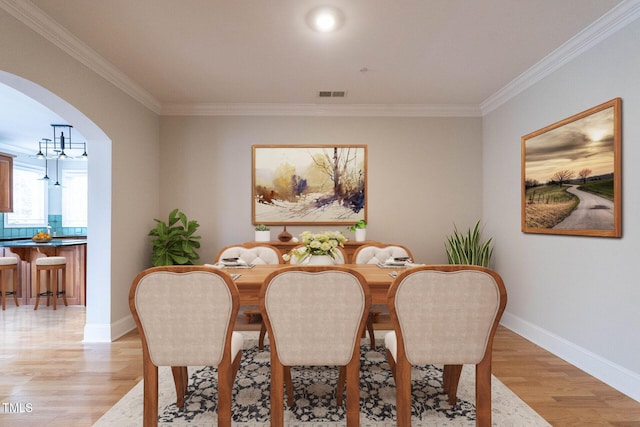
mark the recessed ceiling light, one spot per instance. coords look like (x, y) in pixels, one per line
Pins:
(325, 19)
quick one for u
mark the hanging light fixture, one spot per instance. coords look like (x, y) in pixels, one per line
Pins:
(60, 145)
(57, 148)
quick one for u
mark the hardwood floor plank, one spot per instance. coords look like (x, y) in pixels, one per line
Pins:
(69, 383)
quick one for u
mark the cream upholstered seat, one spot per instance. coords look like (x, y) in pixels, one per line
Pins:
(376, 253)
(185, 316)
(379, 253)
(251, 254)
(8, 263)
(328, 303)
(444, 315)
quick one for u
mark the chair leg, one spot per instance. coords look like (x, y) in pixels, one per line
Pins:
(53, 280)
(225, 384)
(372, 337)
(181, 382)
(403, 392)
(483, 393)
(342, 377)
(3, 287)
(263, 332)
(37, 289)
(276, 392)
(150, 417)
(450, 380)
(353, 393)
(288, 385)
(64, 285)
(15, 287)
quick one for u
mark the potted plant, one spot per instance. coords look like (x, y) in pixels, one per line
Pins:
(263, 233)
(468, 248)
(360, 228)
(174, 242)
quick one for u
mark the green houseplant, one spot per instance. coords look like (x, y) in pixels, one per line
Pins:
(360, 228)
(174, 242)
(468, 248)
(263, 233)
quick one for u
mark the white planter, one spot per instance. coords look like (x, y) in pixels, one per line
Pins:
(319, 260)
(263, 236)
(361, 234)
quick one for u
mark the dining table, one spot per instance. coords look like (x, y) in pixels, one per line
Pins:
(250, 280)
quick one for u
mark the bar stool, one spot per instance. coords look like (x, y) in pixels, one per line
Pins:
(8, 263)
(51, 265)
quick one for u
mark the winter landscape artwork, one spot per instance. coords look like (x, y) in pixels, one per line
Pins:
(309, 184)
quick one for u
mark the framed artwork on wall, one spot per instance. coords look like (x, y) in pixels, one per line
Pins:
(309, 184)
(571, 175)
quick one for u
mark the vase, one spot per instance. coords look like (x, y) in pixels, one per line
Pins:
(361, 234)
(285, 236)
(319, 260)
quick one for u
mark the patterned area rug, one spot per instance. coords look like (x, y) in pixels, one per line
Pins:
(315, 402)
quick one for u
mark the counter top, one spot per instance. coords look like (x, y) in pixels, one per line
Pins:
(54, 243)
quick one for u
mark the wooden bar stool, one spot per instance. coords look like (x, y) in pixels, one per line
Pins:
(8, 263)
(51, 265)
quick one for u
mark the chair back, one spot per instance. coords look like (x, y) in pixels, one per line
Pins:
(315, 315)
(379, 253)
(251, 254)
(446, 314)
(185, 314)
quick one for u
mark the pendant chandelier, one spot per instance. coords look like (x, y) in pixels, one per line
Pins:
(59, 148)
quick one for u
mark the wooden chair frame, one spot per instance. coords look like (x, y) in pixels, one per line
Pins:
(249, 245)
(401, 368)
(227, 369)
(281, 375)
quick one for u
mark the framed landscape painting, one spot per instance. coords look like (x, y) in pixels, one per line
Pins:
(571, 175)
(309, 184)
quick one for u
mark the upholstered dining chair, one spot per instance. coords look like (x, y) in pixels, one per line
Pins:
(328, 303)
(251, 253)
(447, 315)
(185, 316)
(376, 253)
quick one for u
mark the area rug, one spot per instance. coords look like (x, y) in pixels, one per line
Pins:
(314, 392)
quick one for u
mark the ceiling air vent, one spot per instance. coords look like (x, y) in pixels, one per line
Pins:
(332, 93)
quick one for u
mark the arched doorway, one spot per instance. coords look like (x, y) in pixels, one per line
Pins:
(98, 314)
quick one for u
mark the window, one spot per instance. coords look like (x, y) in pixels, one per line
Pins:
(29, 198)
(74, 198)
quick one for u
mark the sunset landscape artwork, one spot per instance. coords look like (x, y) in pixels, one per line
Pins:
(571, 180)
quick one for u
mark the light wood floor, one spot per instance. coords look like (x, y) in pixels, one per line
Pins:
(57, 380)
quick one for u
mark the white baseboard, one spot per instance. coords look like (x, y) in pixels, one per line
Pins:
(108, 332)
(612, 374)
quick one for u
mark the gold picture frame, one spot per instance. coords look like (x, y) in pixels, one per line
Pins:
(571, 175)
(309, 184)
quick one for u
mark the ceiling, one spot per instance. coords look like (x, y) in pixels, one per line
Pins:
(176, 56)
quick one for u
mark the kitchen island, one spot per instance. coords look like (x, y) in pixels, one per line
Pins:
(73, 249)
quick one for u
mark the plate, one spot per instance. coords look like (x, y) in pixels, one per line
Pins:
(41, 240)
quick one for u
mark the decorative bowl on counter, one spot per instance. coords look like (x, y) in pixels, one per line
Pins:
(41, 240)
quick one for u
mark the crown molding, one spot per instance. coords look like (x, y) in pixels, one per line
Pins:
(34, 18)
(617, 18)
(326, 110)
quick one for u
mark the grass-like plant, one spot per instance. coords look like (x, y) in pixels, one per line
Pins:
(468, 248)
(174, 242)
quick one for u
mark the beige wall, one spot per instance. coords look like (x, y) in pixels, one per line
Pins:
(123, 167)
(424, 174)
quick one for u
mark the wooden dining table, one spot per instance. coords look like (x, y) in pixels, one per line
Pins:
(251, 279)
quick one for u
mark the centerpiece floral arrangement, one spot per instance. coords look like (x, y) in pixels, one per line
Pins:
(324, 243)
